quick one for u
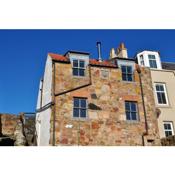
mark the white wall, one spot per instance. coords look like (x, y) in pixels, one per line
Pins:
(146, 59)
(43, 118)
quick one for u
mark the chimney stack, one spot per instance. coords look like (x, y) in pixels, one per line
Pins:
(112, 53)
(122, 51)
(99, 51)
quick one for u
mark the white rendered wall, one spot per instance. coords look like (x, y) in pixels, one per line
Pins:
(146, 59)
(166, 77)
(43, 118)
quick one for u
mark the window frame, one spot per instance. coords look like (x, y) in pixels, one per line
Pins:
(168, 130)
(152, 59)
(80, 108)
(122, 65)
(165, 92)
(130, 111)
(78, 68)
(142, 60)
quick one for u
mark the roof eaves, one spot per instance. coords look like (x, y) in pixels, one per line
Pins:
(77, 52)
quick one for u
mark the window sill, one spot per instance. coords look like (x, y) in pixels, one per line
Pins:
(80, 119)
(129, 82)
(132, 121)
(74, 76)
(163, 106)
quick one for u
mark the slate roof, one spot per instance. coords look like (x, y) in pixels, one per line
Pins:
(168, 65)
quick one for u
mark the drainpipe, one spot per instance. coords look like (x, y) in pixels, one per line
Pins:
(53, 139)
(144, 109)
(41, 99)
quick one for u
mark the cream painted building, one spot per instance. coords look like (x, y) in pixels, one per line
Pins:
(163, 81)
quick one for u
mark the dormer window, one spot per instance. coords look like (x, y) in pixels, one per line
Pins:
(78, 67)
(149, 59)
(152, 61)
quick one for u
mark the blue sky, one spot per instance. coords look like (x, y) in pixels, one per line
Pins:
(23, 54)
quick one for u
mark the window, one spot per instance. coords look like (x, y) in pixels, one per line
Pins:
(161, 94)
(142, 60)
(168, 128)
(127, 73)
(152, 61)
(80, 108)
(131, 110)
(78, 67)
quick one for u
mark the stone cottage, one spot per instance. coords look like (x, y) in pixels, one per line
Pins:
(95, 102)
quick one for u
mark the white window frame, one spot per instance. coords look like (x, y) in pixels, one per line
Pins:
(150, 59)
(142, 62)
(78, 67)
(172, 127)
(165, 91)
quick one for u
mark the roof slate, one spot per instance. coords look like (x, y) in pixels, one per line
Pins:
(168, 66)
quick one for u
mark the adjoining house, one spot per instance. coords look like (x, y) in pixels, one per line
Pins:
(84, 101)
(163, 83)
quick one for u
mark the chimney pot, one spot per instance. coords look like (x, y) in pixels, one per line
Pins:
(112, 53)
(122, 51)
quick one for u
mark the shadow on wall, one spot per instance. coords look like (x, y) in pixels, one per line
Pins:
(6, 142)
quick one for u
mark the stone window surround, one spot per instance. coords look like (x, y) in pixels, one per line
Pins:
(127, 63)
(127, 74)
(80, 118)
(166, 94)
(137, 112)
(171, 125)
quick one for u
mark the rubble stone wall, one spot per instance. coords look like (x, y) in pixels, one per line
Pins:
(8, 124)
(168, 141)
(13, 130)
(106, 123)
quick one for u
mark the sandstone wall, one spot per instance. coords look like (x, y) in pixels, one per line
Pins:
(168, 141)
(8, 124)
(15, 130)
(106, 123)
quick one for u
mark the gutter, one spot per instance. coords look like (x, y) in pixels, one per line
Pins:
(53, 139)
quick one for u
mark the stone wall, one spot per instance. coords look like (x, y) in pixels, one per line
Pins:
(14, 130)
(106, 123)
(8, 124)
(168, 141)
